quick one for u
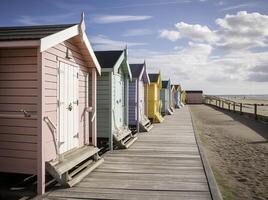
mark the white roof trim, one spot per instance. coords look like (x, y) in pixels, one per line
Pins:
(118, 62)
(129, 71)
(56, 38)
(61, 36)
(91, 52)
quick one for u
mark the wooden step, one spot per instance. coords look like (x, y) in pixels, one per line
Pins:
(146, 127)
(72, 163)
(72, 158)
(124, 139)
(170, 112)
(84, 172)
(130, 142)
(121, 134)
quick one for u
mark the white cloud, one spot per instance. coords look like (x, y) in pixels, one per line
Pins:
(101, 42)
(196, 32)
(238, 6)
(106, 19)
(170, 35)
(137, 32)
(242, 31)
(50, 19)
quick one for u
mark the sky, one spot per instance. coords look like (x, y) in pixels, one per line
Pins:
(218, 46)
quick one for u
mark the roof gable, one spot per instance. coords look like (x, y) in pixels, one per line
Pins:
(166, 84)
(139, 71)
(156, 78)
(108, 59)
(47, 36)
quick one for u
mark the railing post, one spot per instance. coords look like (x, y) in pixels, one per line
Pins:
(241, 109)
(234, 106)
(255, 112)
(229, 106)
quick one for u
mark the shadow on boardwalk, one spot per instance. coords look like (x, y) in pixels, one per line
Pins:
(162, 164)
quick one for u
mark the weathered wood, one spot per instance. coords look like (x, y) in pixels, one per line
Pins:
(164, 164)
(255, 112)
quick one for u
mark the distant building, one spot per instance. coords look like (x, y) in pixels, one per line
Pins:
(194, 96)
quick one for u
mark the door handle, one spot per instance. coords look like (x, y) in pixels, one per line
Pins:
(70, 107)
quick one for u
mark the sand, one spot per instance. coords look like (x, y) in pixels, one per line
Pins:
(237, 150)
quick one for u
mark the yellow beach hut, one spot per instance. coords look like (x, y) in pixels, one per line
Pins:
(183, 97)
(154, 102)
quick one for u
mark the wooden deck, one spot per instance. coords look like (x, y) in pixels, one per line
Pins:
(162, 164)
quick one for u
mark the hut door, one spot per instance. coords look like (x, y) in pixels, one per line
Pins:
(141, 103)
(68, 107)
(120, 100)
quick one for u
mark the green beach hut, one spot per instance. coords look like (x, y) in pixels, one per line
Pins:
(112, 100)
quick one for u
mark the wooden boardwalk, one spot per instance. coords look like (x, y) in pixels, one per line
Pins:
(162, 164)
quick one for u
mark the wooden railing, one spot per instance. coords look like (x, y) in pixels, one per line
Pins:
(257, 110)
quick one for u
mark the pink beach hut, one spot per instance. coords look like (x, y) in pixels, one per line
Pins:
(48, 102)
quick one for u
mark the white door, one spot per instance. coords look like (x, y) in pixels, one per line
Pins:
(119, 98)
(141, 103)
(68, 107)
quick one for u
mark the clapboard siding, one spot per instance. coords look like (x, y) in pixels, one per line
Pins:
(133, 102)
(103, 105)
(51, 66)
(165, 99)
(18, 91)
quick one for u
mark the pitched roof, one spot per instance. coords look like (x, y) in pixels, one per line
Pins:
(30, 32)
(165, 84)
(108, 59)
(136, 69)
(194, 91)
(153, 77)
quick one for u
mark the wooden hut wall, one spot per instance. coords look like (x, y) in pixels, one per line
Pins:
(18, 91)
(133, 102)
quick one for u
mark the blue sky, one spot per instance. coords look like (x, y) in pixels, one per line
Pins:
(219, 46)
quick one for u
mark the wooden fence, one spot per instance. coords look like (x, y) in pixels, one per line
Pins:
(258, 111)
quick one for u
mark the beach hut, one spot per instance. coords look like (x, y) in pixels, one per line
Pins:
(138, 98)
(171, 98)
(183, 97)
(194, 96)
(177, 96)
(45, 104)
(112, 100)
(154, 102)
(164, 96)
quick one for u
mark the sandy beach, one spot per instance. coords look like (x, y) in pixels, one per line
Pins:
(237, 149)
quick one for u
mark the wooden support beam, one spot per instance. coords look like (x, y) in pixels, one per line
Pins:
(241, 109)
(94, 106)
(255, 112)
(40, 126)
(138, 105)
